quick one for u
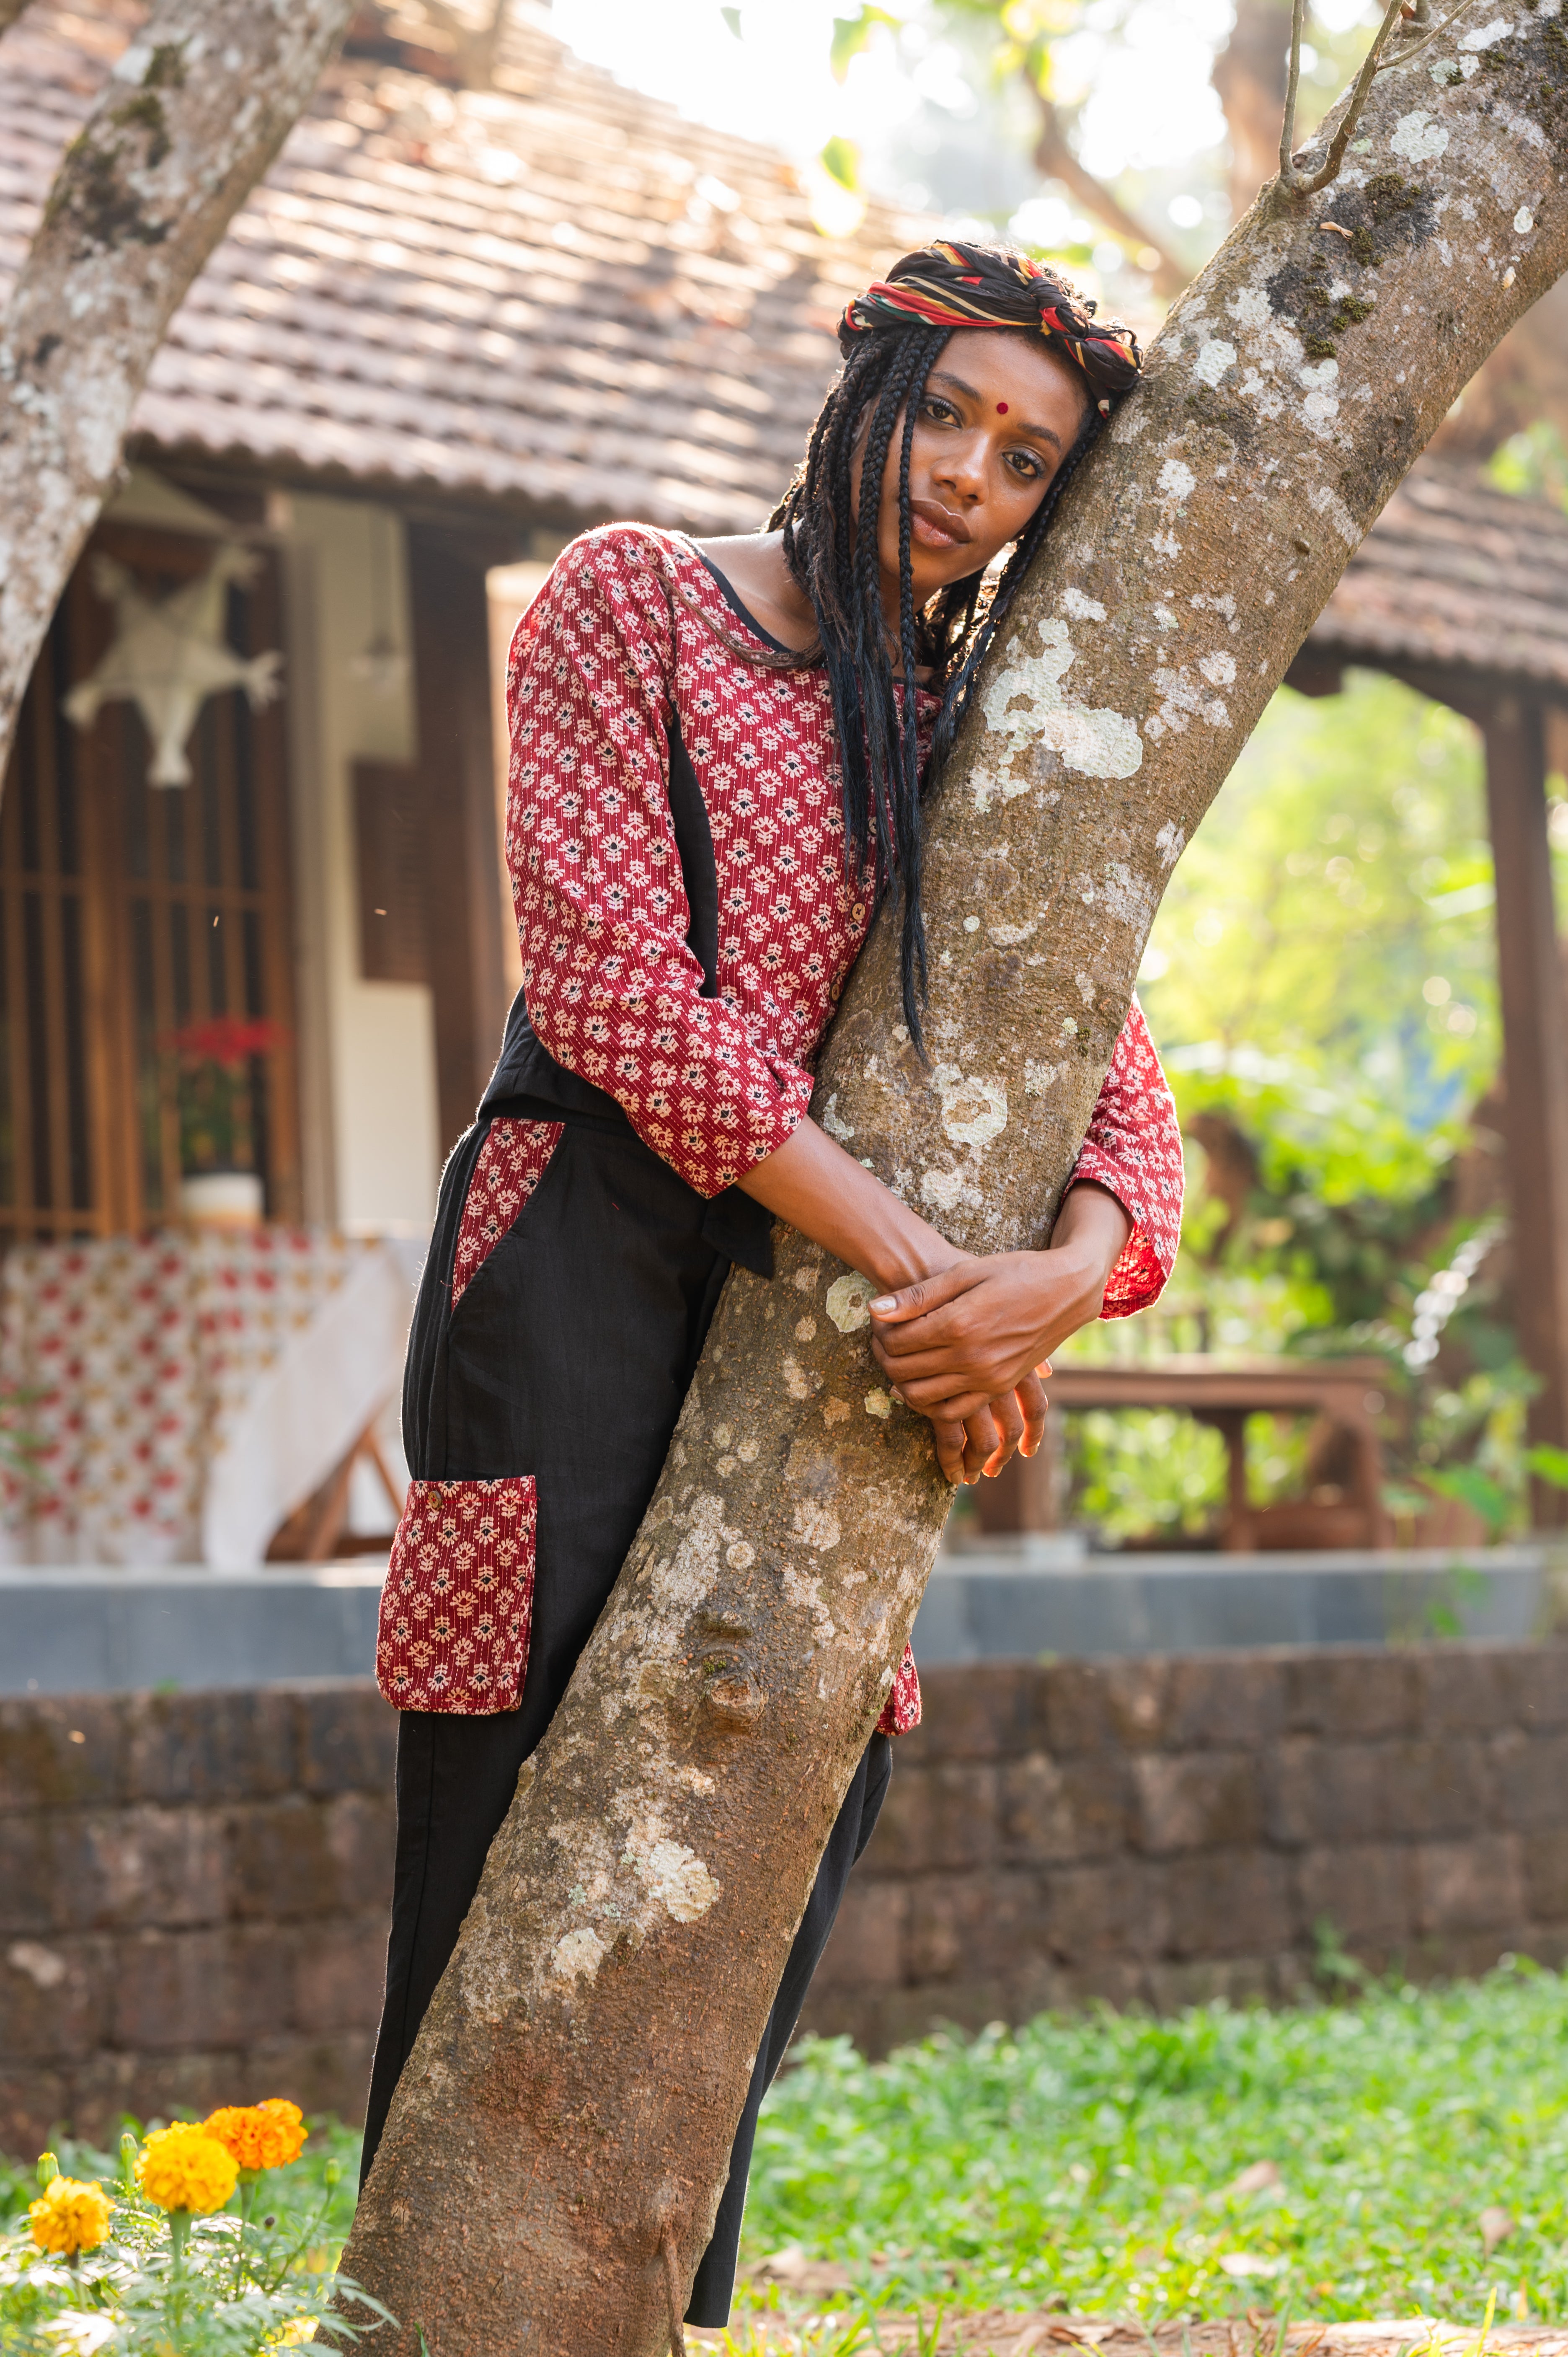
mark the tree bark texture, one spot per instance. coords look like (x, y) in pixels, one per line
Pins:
(190, 118)
(572, 2094)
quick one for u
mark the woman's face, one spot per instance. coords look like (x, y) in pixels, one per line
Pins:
(999, 414)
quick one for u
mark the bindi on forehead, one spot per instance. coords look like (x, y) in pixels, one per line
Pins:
(1002, 409)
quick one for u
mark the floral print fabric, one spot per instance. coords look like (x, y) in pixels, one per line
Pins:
(627, 640)
(901, 1711)
(1133, 1149)
(138, 1360)
(512, 1161)
(627, 635)
(457, 1606)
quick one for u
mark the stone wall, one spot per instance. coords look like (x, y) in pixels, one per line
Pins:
(1162, 1831)
(193, 1888)
(193, 1897)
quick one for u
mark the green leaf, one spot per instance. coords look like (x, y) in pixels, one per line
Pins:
(842, 159)
(850, 35)
(732, 18)
(1549, 1464)
(1475, 1489)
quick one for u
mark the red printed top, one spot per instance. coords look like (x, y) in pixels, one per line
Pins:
(609, 651)
(613, 650)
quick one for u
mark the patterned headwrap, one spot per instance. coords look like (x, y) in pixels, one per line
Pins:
(951, 284)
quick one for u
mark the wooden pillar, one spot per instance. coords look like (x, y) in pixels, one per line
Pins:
(1535, 1063)
(456, 775)
(1231, 1424)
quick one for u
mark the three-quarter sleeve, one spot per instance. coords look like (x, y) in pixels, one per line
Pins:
(613, 991)
(1133, 1149)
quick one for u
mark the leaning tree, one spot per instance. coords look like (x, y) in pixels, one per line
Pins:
(560, 2137)
(187, 121)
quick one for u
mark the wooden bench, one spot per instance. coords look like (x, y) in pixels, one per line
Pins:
(1346, 1394)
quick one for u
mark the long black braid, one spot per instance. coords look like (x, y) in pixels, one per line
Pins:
(891, 337)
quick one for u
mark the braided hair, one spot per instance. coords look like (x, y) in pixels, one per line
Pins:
(890, 337)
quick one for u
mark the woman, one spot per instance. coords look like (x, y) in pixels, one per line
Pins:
(718, 757)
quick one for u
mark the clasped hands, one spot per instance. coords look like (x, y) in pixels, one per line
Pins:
(963, 1338)
(968, 1346)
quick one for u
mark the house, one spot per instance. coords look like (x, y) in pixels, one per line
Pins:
(453, 327)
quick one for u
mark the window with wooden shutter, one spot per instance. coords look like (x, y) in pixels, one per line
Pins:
(131, 915)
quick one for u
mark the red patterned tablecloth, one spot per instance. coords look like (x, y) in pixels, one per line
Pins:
(182, 1394)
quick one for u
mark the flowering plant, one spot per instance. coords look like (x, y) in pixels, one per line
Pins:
(173, 2260)
(218, 1081)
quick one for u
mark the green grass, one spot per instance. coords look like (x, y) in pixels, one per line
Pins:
(1091, 2163)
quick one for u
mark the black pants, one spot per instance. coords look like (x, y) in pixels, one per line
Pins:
(567, 1357)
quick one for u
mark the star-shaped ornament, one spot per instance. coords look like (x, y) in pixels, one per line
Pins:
(168, 655)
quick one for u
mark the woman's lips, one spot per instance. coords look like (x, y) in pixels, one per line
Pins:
(934, 528)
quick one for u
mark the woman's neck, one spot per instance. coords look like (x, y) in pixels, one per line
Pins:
(754, 565)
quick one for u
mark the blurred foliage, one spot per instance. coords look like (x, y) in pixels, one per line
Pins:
(1321, 980)
(1533, 465)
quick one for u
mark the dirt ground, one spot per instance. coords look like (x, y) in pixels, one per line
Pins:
(813, 2297)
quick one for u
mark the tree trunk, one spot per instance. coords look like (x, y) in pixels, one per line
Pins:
(1250, 79)
(569, 2104)
(189, 121)
(1054, 160)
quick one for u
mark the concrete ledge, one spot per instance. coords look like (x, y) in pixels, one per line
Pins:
(103, 1631)
(1023, 1601)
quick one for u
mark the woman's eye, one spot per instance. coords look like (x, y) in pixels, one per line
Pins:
(941, 410)
(1026, 465)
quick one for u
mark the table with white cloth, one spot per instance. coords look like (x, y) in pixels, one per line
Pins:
(177, 1395)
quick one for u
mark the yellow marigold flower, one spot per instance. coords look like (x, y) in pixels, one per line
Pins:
(183, 2167)
(70, 2216)
(259, 2136)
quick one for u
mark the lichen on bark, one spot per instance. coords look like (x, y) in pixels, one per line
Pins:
(572, 2094)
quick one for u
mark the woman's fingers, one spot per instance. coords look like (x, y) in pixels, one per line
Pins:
(981, 1440)
(929, 1293)
(1008, 1418)
(950, 1437)
(1035, 1406)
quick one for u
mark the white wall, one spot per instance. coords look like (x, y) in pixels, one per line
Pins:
(371, 1135)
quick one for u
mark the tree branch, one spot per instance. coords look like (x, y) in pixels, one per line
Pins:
(1054, 160)
(1297, 183)
(189, 120)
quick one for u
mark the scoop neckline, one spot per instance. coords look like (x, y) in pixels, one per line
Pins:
(743, 612)
(738, 604)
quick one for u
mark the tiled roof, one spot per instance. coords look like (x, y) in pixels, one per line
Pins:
(561, 294)
(1457, 576)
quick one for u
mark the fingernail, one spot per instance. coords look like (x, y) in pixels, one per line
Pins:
(882, 1304)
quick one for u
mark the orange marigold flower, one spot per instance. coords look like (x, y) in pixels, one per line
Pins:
(259, 2136)
(183, 2167)
(70, 2216)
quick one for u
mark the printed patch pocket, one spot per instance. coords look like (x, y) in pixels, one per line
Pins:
(457, 1607)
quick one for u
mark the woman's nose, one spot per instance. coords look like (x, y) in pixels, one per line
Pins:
(961, 468)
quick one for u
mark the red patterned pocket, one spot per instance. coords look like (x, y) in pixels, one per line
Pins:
(512, 1161)
(457, 1605)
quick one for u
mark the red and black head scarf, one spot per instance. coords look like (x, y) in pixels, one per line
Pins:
(952, 284)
